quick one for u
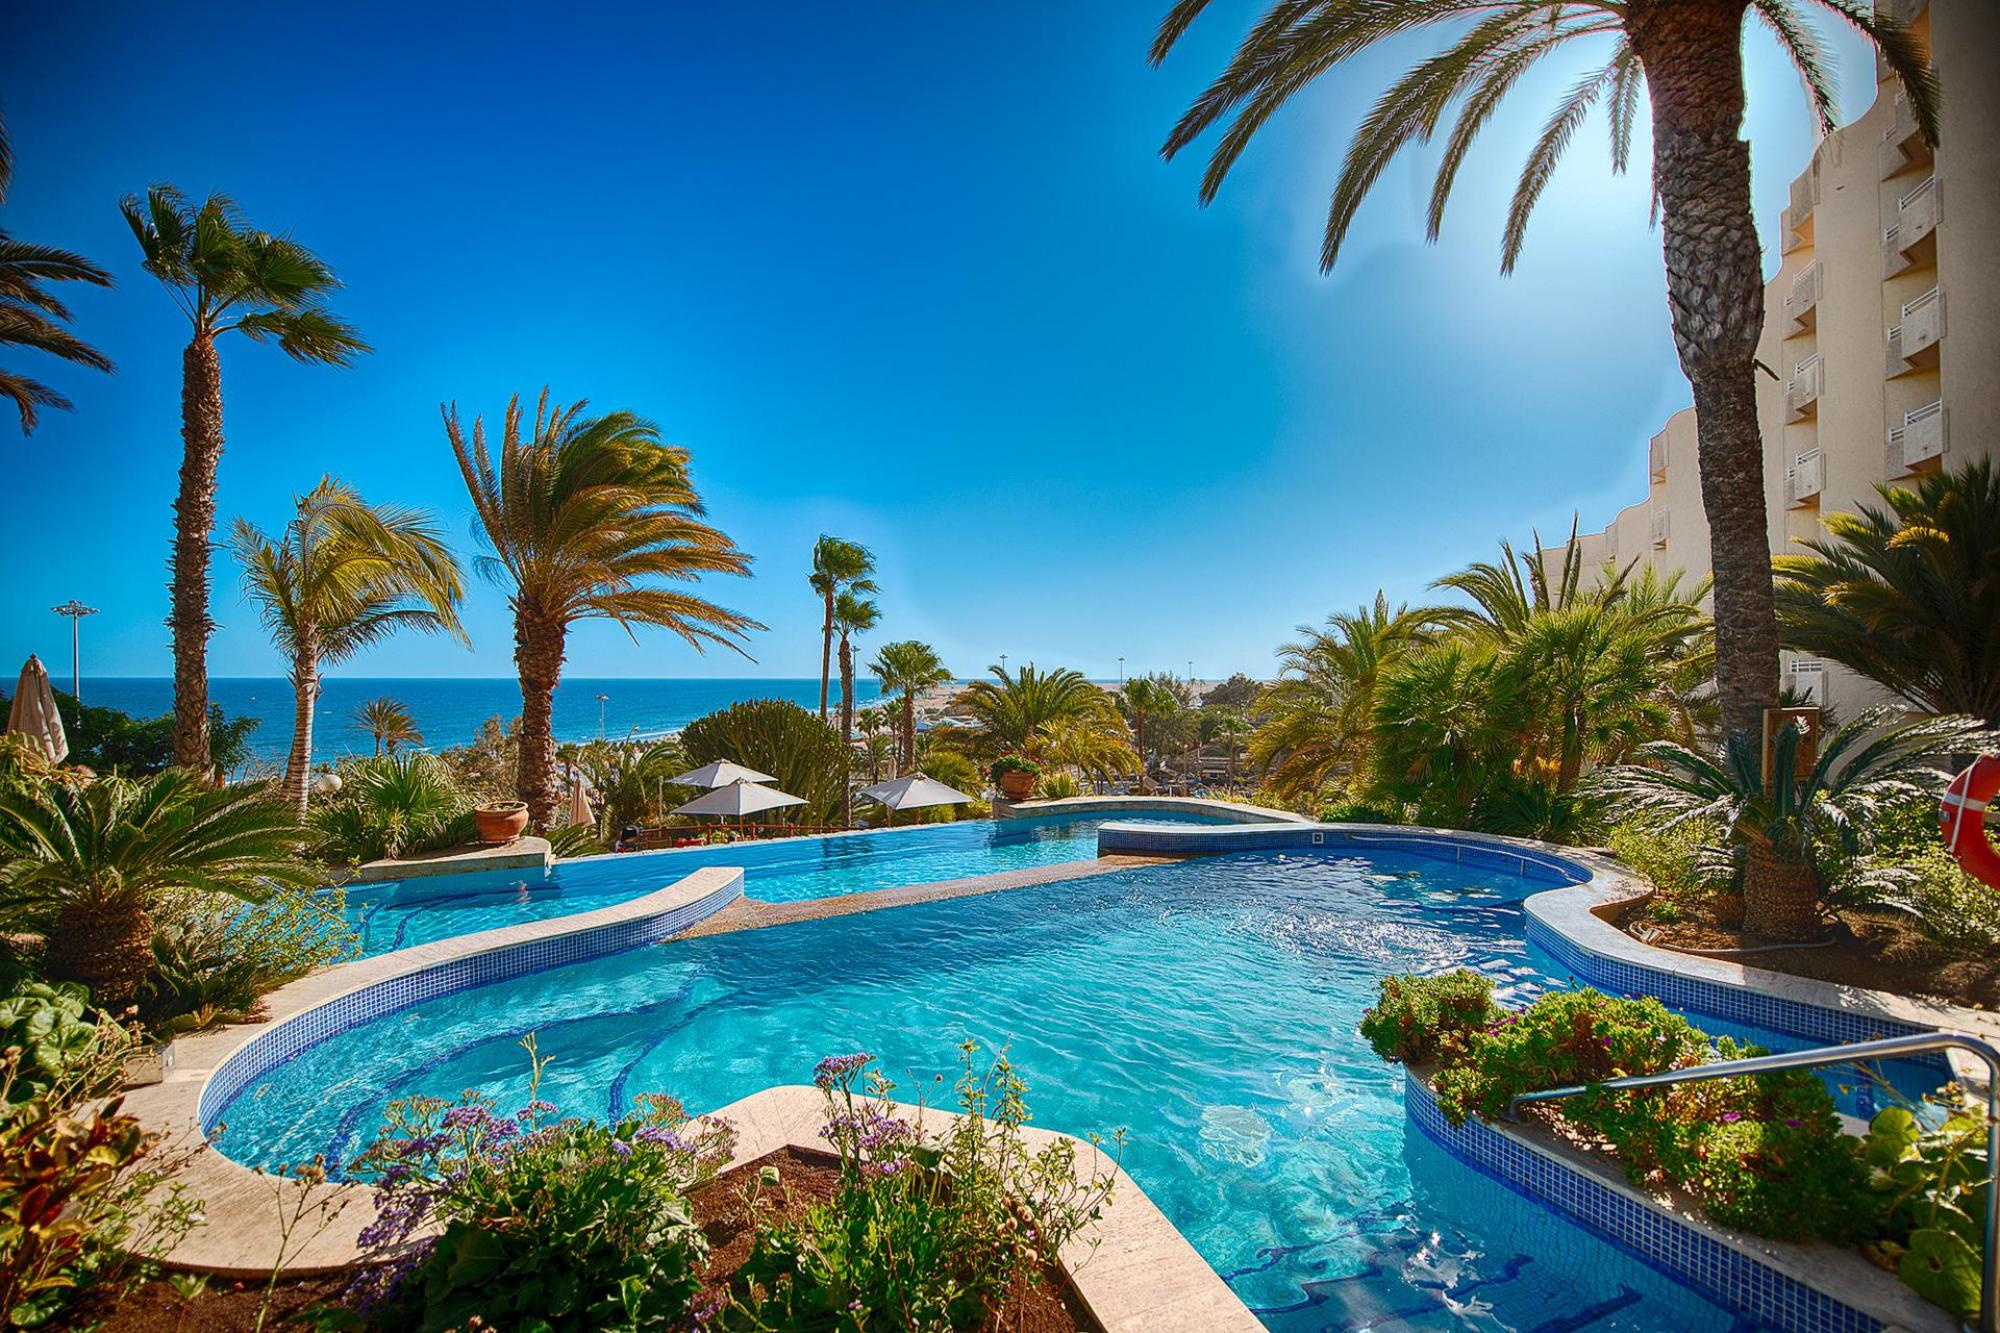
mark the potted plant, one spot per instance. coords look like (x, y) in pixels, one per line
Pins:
(500, 821)
(1015, 776)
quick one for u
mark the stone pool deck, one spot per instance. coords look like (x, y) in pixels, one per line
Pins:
(752, 914)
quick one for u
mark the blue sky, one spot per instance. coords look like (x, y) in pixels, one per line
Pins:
(911, 273)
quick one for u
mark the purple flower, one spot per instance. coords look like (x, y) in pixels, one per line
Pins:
(466, 1117)
(839, 1068)
(1793, 1124)
(1731, 1117)
(621, 1148)
(661, 1136)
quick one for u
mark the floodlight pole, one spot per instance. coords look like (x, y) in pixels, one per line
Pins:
(600, 715)
(76, 611)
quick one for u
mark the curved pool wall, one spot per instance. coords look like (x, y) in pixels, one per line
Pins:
(1531, 861)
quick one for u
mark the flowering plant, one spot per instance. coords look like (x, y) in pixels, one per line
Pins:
(1013, 763)
(533, 1221)
(924, 1230)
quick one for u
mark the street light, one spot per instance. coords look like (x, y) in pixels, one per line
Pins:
(600, 715)
(1003, 664)
(76, 611)
(1121, 669)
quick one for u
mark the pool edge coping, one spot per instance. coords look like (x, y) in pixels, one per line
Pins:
(242, 1204)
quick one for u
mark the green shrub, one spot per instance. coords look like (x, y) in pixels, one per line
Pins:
(213, 957)
(560, 1225)
(391, 804)
(1933, 1174)
(61, 1051)
(1346, 811)
(805, 755)
(1679, 862)
(924, 1231)
(1059, 786)
(1414, 1017)
(1012, 763)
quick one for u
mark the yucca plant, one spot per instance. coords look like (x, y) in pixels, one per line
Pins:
(1789, 839)
(587, 516)
(85, 867)
(226, 277)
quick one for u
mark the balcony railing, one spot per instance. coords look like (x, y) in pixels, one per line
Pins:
(1903, 143)
(1804, 477)
(1802, 301)
(1913, 342)
(1918, 214)
(1797, 219)
(1803, 389)
(1921, 437)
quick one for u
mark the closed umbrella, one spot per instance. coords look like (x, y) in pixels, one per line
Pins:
(721, 773)
(913, 792)
(34, 712)
(580, 813)
(739, 799)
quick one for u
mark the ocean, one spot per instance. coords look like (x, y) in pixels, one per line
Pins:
(449, 711)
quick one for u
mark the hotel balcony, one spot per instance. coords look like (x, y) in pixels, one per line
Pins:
(1903, 143)
(1913, 343)
(1662, 526)
(1918, 212)
(1796, 224)
(1804, 478)
(1803, 389)
(1802, 301)
(1656, 460)
(1921, 437)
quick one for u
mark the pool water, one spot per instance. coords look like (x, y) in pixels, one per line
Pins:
(400, 913)
(1207, 1007)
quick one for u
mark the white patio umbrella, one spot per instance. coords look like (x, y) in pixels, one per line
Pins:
(719, 774)
(34, 714)
(913, 792)
(738, 799)
(580, 813)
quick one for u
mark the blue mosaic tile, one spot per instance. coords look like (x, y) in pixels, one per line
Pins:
(1739, 1282)
(285, 1040)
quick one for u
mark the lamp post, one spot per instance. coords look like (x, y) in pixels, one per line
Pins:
(1121, 671)
(76, 611)
(600, 715)
(1003, 664)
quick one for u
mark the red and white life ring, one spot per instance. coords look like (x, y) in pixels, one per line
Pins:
(1962, 816)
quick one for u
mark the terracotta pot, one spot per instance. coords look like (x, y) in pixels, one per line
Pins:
(1016, 785)
(500, 821)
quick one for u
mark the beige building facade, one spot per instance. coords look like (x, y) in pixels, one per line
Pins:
(1881, 328)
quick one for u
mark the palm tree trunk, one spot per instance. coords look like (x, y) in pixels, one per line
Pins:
(1692, 52)
(106, 944)
(1786, 904)
(846, 730)
(825, 653)
(1139, 739)
(538, 656)
(194, 525)
(305, 693)
(907, 751)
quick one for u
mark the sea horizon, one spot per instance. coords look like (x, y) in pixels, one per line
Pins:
(449, 710)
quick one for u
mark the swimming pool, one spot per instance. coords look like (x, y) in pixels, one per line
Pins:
(396, 914)
(1208, 1007)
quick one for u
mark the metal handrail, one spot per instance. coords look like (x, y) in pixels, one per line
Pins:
(1821, 1057)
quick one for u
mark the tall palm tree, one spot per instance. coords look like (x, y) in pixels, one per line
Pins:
(226, 277)
(1012, 707)
(85, 866)
(389, 723)
(32, 318)
(1148, 698)
(343, 575)
(584, 514)
(911, 667)
(838, 566)
(1908, 594)
(1686, 56)
(851, 615)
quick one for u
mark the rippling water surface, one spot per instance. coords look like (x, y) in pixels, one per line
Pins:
(1206, 1007)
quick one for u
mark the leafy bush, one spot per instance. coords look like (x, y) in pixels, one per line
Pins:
(74, 1199)
(924, 1231)
(213, 956)
(1934, 1174)
(1764, 1153)
(1059, 786)
(805, 755)
(1415, 1018)
(546, 1224)
(392, 804)
(1346, 811)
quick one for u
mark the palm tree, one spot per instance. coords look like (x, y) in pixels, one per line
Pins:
(85, 866)
(872, 723)
(389, 723)
(1908, 595)
(851, 615)
(912, 667)
(225, 277)
(1317, 718)
(1148, 698)
(30, 317)
(1011, 708)
(342, 575)
(583, 514)
(1807, 822)
(1686, 55)
(1097, 746)
(838, 566)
